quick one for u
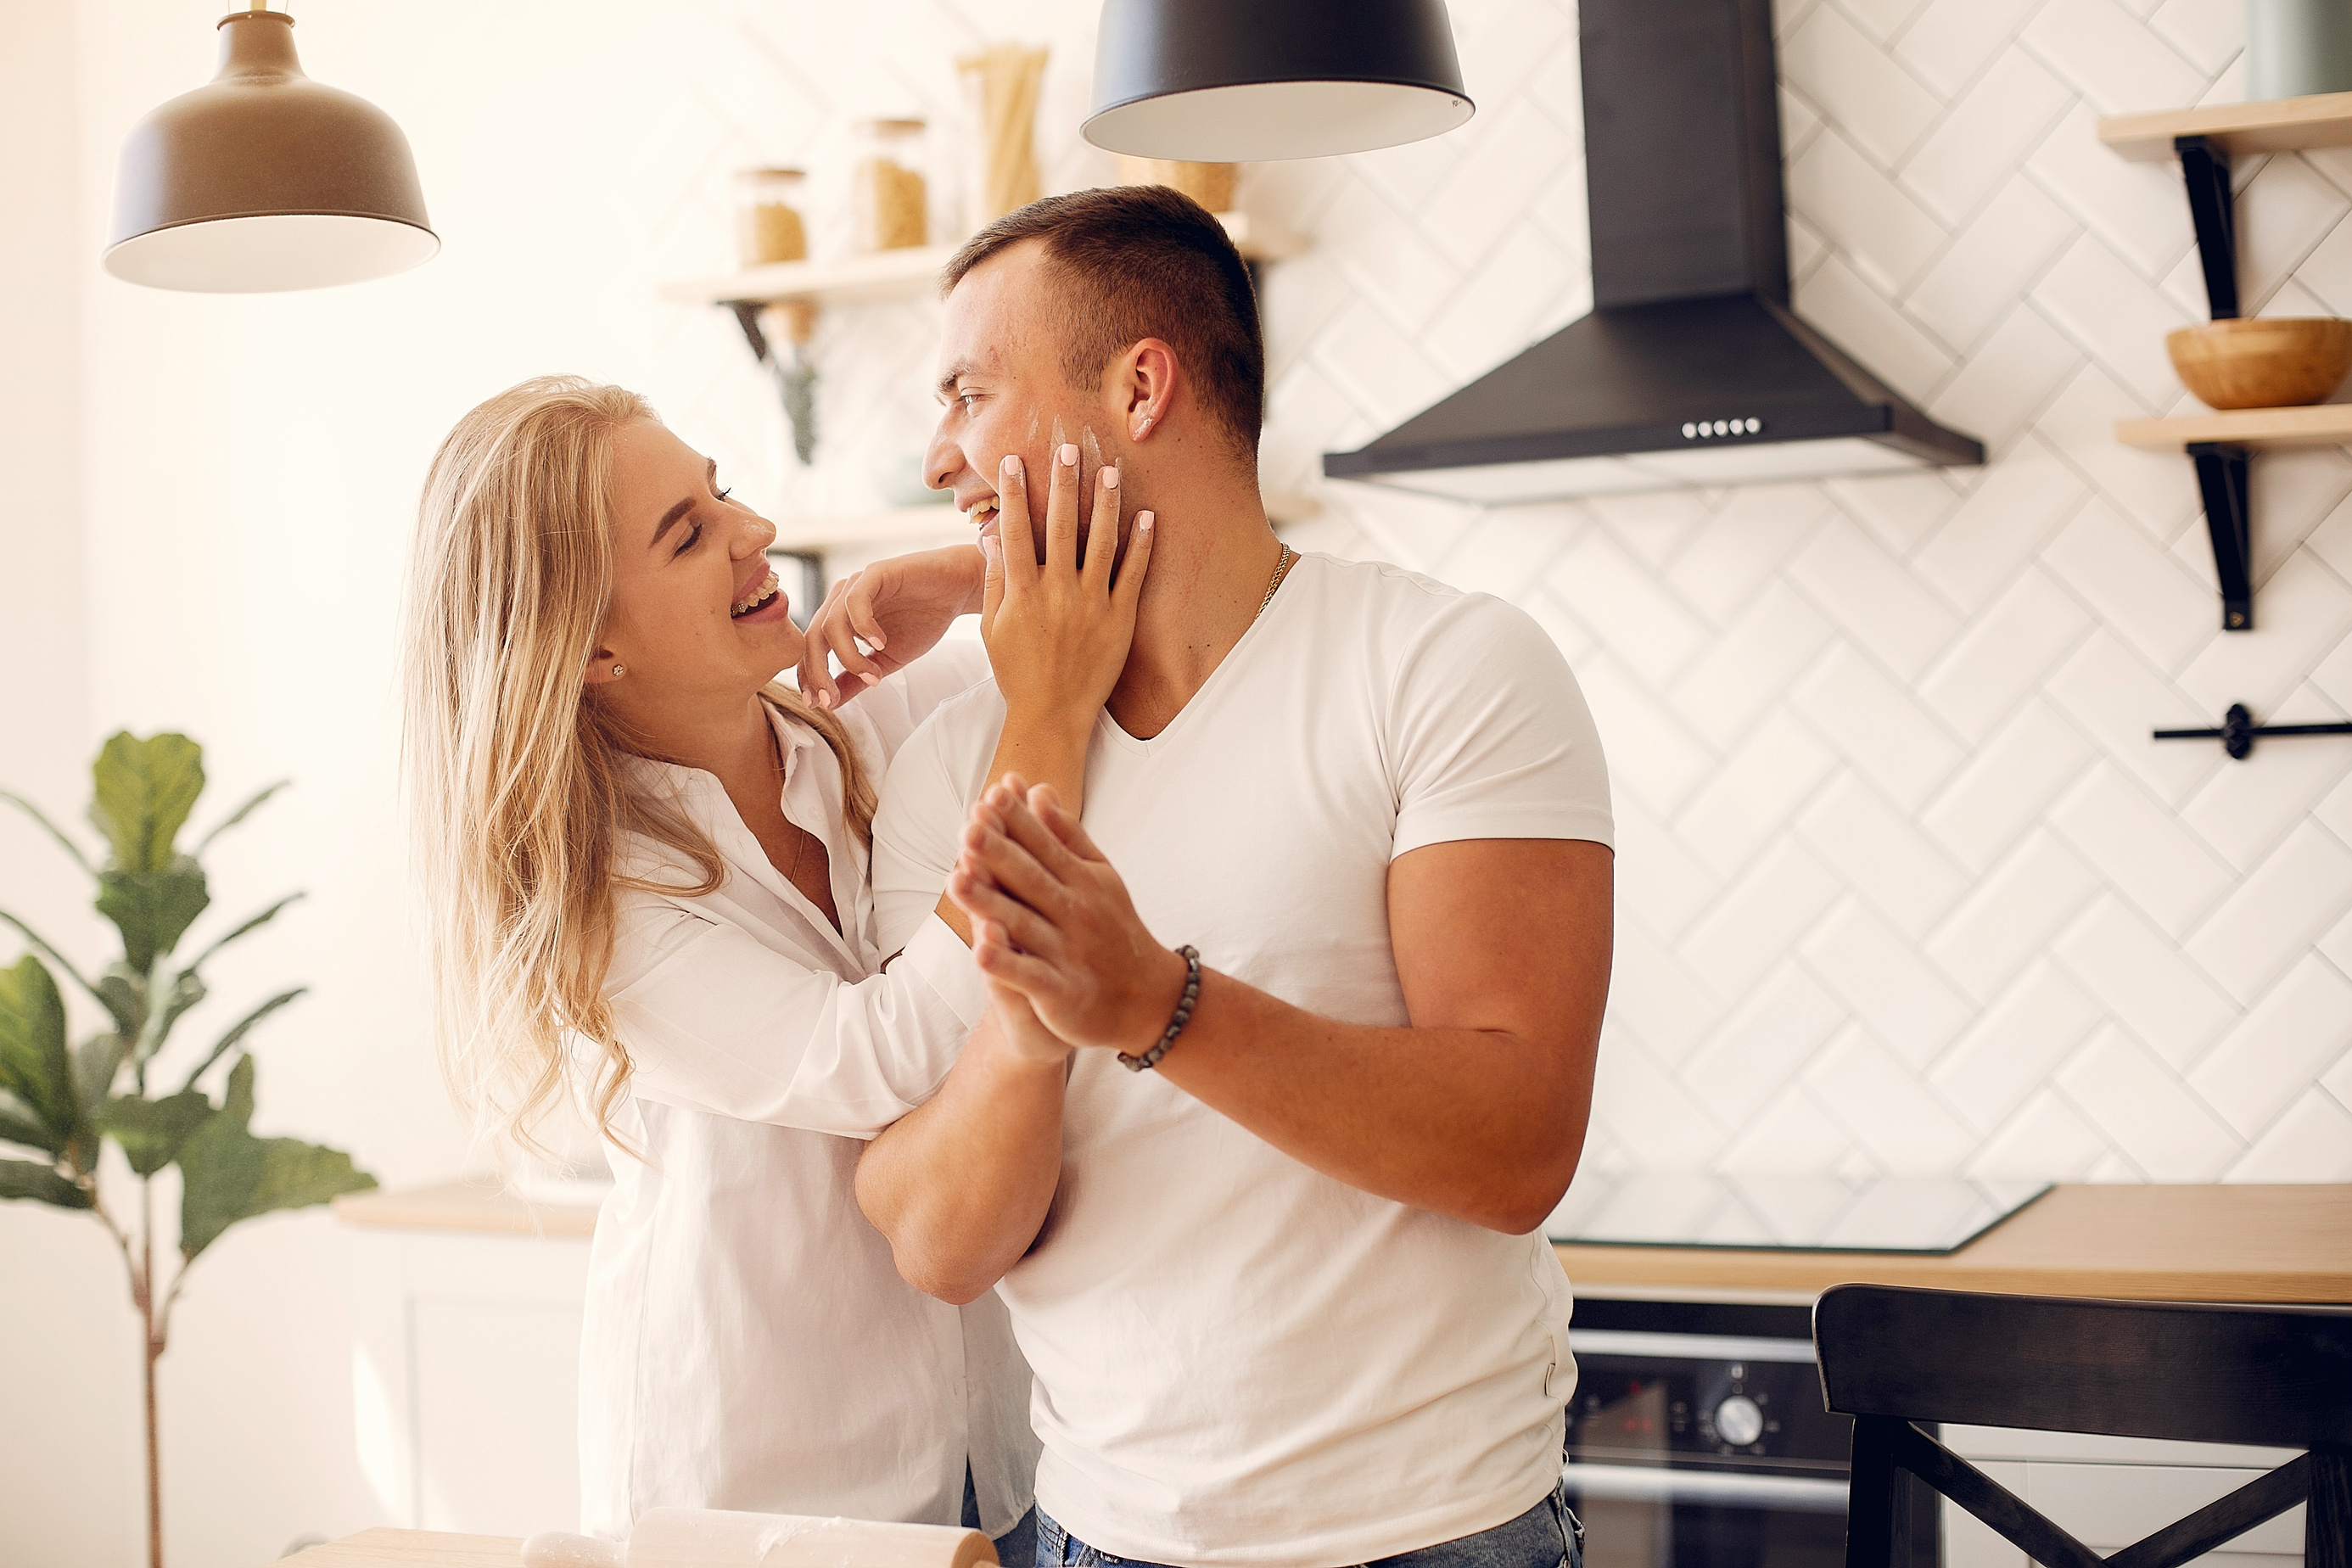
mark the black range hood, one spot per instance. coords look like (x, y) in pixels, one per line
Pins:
(1690, 370)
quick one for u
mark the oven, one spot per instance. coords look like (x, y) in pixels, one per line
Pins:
(1697, 1439)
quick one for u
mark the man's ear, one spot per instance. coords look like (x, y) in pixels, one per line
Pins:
(1143, 393)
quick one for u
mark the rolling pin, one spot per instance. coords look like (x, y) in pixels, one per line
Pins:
(709, 1538)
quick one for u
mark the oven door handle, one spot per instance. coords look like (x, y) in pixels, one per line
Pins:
(1642, 1483)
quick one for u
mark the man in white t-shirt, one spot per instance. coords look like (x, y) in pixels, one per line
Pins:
(1286, 1296)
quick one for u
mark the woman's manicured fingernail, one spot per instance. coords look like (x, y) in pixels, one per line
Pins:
(868, 677)
(1143, 520)
(1110, 477)
(1012, 464)
(1069, 455)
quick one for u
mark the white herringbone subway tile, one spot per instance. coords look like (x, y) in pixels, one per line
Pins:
(2300, 488)
(1904, 877)
(1886, 235)
(2328, 270)
(1652, 524)
(1745, 672)
(1878, 726)
(1647, 1112)
(1857, 86)
(1659, 881)
(1991, 261)
(1988, 132)
(1763, 1043)
(2004, 656)
(2110, 56)
(1502, 303)
(2008, 378)
(1612, 593)
(1759, 918)
(1719, 566)
(2166, 872)
(1467, 216)
(1789, 1134)
(2147, 1113)
(1873, 599)
(2005, 786)
(2337, 1081)
(2157, 491)
(2207, 33)
(1882, 19)
(2143, 981)
(1897, 510)
(1654, 994)
(1880, 975)
(1949, 41)
(1507, 547)
(2015, 510)
(2302, 614)
(1746, 801)
(2331, 539)
(2009, 916)
(1377, 368)
(1888, 1111)
(2135, 584)
(1500, 43)
(2112, 695)
(2046, 1141)
(2294, 1033)
(1651, 754)
(2012, 1046)
(2136, 209)
(2281, 217)
(2115, 314)
(1847, 310)
(2312, 1143)
(2242, 811)
(1384, 254)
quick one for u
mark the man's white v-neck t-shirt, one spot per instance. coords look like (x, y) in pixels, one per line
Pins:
(1238, 1358)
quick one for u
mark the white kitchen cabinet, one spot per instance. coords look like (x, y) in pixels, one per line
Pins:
(466, 1364)
(2108, 1492)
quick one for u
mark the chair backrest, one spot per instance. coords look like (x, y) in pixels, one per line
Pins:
(2272, 1376)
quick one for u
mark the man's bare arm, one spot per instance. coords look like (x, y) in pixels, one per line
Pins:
(1478, 1110)
(960, 1185)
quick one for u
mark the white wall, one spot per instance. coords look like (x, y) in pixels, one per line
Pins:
(1906, 887)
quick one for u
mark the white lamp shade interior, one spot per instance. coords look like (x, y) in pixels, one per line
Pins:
(271, 253)
(1262, 121)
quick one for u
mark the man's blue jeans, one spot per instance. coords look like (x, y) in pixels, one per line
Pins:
(1548, 1535)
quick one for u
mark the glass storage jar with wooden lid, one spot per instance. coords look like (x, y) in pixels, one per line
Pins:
(891, 197)
(768, 221)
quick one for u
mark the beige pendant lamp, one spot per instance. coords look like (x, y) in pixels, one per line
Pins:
(263, 181)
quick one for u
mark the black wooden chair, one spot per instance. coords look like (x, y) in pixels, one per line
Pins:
(2275, 1378)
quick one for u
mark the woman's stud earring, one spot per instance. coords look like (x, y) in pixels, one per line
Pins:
(619, 671)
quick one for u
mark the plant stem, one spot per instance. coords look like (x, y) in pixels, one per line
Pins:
(151, 1351)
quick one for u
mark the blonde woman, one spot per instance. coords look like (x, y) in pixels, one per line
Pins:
(646, 867)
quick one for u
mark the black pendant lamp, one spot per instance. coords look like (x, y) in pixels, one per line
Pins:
(1223, 81)
(264, 181)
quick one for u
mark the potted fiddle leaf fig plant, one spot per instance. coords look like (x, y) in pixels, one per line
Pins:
(61, 1104)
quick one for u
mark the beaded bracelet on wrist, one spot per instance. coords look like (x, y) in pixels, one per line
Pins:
(1150, 1058)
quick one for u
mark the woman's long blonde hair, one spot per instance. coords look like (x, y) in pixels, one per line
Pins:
(516, 774)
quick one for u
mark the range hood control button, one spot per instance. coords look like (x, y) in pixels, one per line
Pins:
(1706, 429)
(1738, 1421)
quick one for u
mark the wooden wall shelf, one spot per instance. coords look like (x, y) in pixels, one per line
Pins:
(2280, 125)
(2321, 424)
(904, 274)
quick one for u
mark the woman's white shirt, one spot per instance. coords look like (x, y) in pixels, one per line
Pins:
(748, 1344)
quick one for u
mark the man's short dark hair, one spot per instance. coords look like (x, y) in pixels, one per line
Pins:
(1132, 262)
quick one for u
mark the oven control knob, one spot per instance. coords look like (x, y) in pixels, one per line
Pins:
(1738, 1421)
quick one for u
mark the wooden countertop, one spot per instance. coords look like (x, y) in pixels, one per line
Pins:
(2140, 1243)
(416, 1549)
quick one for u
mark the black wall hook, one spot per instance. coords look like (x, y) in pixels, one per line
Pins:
(2238, 731)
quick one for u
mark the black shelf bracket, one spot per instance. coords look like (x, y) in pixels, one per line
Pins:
(2213, 210)
(2225, 478)
(2238, 731)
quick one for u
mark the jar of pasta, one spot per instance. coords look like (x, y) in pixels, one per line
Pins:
(891, 200)
(769, 204)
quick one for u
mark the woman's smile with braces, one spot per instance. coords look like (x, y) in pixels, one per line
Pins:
(755, 598)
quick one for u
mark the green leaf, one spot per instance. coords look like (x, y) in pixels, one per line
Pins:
(253, 923)
(230, 1176)
(95, 1063)
(153, 1131)
(153, 909)
(187, 990)
(29, 809)
(41, 944)
(124, 990)
(41, 1183)
(19, 1125)
(144, 791)
(240, 814)
(239, 1030)
(34, 1063)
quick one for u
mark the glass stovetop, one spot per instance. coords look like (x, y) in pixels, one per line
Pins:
(1814, 1214)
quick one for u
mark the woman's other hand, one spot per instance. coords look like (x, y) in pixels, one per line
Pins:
(899, 609)
(1052, 921)
(1057, 633)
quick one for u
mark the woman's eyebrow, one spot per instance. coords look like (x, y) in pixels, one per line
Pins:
(680, 510)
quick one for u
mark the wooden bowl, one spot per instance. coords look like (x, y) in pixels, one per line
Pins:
(2264, 362)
